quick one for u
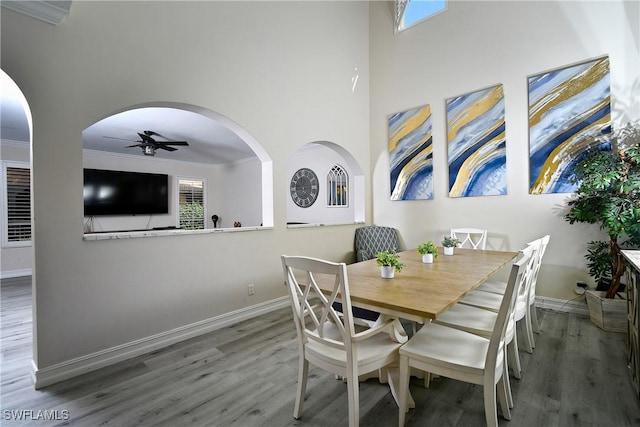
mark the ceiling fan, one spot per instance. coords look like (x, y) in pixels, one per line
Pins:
(149, 144)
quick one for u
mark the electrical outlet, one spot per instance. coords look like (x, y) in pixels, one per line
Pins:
(251, 289)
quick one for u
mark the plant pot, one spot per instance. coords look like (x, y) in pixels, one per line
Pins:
(427, 258)
(448, 250)
(609, 314)
(387, 271)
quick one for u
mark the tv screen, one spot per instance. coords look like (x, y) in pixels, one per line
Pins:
(108, 192)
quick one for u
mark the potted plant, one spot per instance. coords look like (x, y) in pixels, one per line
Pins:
(429, 251)
(449, 243)
(609, 195)
(390, 263)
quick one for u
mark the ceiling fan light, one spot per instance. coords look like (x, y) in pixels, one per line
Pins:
(148, 150)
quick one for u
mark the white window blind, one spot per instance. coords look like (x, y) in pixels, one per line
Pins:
(17, 212)
(337, 187)
(191, 203)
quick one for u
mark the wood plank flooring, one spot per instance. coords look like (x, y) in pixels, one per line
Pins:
(245, 375)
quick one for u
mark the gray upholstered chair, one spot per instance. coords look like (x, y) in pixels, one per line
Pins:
(373, 239)
(369, 241)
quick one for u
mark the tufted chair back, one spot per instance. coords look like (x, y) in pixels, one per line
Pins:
(372, 239)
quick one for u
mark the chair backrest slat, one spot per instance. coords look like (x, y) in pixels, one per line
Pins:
(474, 238)
(312, 307)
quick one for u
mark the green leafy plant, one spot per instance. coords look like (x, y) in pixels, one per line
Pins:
(609, 195)
(428, 248)
(191, 216)
(599, 263)
(450, 242)
(390, 259)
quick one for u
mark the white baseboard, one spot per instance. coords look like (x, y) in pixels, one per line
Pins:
(81, 365)
(15, 273)
(577, 306)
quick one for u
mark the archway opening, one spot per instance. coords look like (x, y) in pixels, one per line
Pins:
(326, 186)
(214, 168)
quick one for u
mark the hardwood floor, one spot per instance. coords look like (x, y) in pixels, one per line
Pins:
(245, 375)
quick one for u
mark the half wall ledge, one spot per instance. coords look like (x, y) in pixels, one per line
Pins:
(117, 235)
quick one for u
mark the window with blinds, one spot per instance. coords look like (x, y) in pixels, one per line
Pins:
(337, 187)
(191, 203)
(17, 206)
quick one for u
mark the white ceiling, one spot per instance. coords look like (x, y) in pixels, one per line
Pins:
(13, 119)
(209, 141)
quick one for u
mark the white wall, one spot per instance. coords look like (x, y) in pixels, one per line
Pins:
(320, 159)
(281, 70)
(239, 194)
(15, 261)
(474, 45)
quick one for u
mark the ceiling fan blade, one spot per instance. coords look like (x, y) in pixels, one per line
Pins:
(121, 139)
(172, 143)
(163, 147)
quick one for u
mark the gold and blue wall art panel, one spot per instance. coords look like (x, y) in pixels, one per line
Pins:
(476, 144)
(410, 154)
(569, 111)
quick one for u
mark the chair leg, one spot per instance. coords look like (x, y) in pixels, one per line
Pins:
(502, 398)
(490, 407)
(535, 324)
(403, 390)
(303, 371)
(515, 357)
(505, 375)
(529, 325)
(353, 397)
(525, 332)
(427, 379)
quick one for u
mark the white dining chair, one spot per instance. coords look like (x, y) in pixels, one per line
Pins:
(474, 238)
(491, 301)
(481, 321)
(525, 308)
(328, 339)
(464, 356)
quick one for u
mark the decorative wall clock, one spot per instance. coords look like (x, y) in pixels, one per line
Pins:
(304, 187)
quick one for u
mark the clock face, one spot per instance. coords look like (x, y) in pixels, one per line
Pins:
(304, 187)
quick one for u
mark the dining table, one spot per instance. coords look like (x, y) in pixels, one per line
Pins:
(421, 291)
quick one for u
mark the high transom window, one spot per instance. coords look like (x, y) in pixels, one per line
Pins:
(412, 12)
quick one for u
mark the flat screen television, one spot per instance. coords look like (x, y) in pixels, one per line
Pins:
(108, 192)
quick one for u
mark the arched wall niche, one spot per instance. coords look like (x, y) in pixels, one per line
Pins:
(321, 157)
(221, 151)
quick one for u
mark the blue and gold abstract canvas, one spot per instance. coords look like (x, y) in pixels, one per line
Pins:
(410, 154)
(569, 109)
(476, 144)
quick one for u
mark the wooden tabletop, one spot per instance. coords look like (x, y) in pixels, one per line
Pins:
(423, 291)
